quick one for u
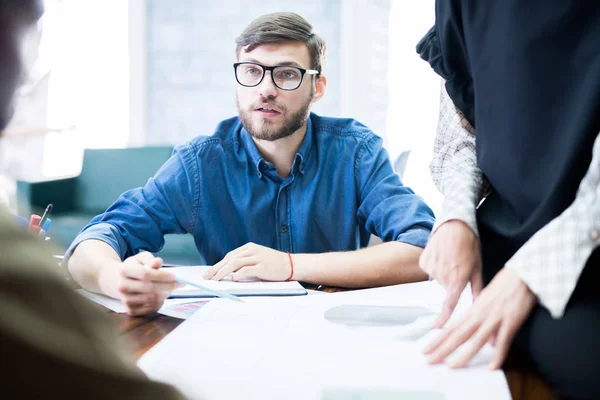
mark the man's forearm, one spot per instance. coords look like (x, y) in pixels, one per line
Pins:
(382, 265)
(93, 265)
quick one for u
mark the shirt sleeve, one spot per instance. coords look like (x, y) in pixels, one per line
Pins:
(139, 218)
(454, 167)
(552, 260)
(104, 232)
(387, 208)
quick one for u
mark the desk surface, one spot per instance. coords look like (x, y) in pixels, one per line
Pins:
(141, 333)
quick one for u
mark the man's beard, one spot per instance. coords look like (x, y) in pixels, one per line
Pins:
(269, 131)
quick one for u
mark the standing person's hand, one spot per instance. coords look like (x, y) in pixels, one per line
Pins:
(453, 258)
(141, 285)
(497, 315)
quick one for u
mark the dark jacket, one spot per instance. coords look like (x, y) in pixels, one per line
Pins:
(526, 73)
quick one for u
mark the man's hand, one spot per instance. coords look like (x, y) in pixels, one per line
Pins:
(497, 314)
(142, 285)
(453, 258)
(252, 260)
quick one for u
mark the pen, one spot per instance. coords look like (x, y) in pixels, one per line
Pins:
(47, 212)
(218, 293)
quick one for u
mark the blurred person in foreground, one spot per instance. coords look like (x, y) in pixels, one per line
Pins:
(54, 343)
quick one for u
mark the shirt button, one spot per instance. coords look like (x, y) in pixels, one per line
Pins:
(594, 235)
(284, 228)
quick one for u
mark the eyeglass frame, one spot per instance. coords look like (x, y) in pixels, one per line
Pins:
(304, 71)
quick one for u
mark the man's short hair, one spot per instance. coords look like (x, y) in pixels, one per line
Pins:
(283, 27)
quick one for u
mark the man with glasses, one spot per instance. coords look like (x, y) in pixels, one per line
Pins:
(277, 193)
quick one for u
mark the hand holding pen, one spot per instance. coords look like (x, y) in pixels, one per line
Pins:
(142, 285)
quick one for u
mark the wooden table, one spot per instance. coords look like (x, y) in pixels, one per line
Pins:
(141, 333)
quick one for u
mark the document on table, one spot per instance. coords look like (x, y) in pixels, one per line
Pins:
(273, 348)
(177, 308)
(182, 308)
(106, 301)
(248, 287)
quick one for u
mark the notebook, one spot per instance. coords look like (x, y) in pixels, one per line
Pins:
(249, 287)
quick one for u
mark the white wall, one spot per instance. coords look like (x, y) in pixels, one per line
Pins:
(86, 43)
(413, 106)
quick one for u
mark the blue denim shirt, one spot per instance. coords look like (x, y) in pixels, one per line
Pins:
(219, 188)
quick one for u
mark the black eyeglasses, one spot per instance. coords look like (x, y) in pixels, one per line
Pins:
(285, 77)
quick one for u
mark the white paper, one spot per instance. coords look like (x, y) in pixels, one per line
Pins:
(275, 348)
(182, 308)
(246, 287)
(169, 307)
(311, 292)
(106, 301)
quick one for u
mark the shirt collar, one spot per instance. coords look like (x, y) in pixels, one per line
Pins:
(302, 156)
(255, 156)
(306, 148)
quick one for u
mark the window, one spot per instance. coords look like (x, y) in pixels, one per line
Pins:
(85, 47)
(413, 96)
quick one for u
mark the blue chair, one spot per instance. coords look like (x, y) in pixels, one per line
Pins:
(105, 175)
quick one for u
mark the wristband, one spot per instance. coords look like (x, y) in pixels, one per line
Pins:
(292, 267)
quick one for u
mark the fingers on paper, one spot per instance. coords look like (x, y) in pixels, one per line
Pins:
(452, 296)
(233, 266)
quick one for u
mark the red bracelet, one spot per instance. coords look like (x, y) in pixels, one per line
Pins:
(291, 265)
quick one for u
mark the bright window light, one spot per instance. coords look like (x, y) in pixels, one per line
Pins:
(85, 44)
